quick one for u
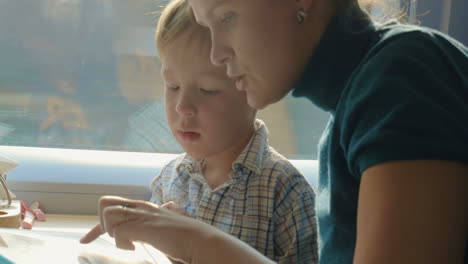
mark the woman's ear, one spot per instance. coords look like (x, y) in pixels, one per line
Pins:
(305, 5)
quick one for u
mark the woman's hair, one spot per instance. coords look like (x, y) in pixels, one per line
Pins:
(383, 10)
(176, 18)
(380, 10)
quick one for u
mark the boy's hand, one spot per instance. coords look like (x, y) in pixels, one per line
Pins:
(172, 206)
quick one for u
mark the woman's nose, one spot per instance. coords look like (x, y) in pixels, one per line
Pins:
(221, 53)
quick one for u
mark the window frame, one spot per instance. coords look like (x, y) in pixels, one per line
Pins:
(60, 194)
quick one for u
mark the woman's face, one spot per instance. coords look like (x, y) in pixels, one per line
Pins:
(259, 41)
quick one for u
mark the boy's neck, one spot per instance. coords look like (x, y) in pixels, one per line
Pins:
(218, 167)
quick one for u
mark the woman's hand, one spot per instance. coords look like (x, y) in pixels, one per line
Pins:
(172, 206)
(132, 220)
(180, 237)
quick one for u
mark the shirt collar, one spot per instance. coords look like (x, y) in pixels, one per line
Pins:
(189, 164)
(340, 50)
(250, 158)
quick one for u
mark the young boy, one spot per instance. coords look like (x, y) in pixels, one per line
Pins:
(229, 176)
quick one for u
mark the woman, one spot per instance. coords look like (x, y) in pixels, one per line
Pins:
(393, 159)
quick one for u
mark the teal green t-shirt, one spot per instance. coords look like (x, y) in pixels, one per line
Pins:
(395, 92)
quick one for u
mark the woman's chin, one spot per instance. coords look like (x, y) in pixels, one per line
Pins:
(257, 103)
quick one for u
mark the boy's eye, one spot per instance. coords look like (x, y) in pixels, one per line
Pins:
(208, 92)
(172, 88)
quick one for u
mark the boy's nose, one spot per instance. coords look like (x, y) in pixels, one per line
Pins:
(185, 107)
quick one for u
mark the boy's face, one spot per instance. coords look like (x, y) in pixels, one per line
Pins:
(206, 113)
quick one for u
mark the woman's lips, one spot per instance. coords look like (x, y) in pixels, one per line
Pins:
(240, 82)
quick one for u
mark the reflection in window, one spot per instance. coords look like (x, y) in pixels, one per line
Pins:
(85, 74)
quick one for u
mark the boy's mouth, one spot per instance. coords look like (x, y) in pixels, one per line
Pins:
(188, 135)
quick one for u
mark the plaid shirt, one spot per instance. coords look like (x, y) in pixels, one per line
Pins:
(267, 203)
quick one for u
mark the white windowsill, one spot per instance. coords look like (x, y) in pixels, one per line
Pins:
(67, 181)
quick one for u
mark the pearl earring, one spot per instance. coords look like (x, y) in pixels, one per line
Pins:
(301, 16)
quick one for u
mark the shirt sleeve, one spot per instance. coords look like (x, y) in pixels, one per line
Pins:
(409, 102)
(295, 235)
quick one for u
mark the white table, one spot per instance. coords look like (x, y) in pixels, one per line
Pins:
(82, 224)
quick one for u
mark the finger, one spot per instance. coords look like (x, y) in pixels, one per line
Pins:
(92, 234)
(122, 238)
(164, 230)
(172, 206)
(124, 232)
(114, 216)
(112, 211)
(106, 201)
(134, 229)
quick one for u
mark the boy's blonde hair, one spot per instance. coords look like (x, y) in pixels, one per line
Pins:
(176, 18)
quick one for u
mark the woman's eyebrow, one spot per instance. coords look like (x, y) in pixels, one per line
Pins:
(210, 10)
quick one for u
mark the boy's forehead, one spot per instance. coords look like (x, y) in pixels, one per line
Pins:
(194, 40)
(189, 53)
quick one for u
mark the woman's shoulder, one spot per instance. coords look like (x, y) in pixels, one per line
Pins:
(407, 58)
(395, 41)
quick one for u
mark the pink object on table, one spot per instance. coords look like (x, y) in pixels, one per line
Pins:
(27, 215)
(37, 211)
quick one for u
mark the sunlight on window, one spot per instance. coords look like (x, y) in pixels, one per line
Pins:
(85, 74)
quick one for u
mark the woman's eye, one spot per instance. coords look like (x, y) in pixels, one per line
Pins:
(227, 18)
(208, 92)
